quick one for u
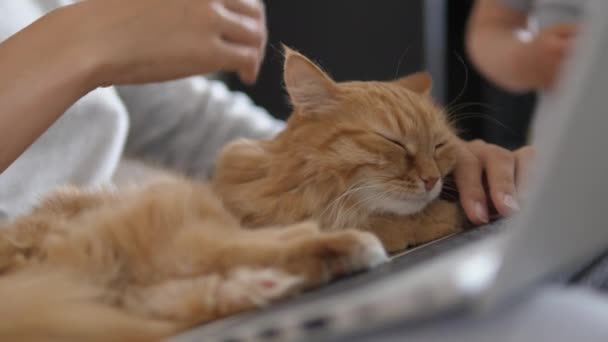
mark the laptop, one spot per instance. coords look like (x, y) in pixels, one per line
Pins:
(561, 227)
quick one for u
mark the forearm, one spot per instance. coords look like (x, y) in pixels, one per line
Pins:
(42, 73)
(45, 68)
(495, 54)
(495, 49)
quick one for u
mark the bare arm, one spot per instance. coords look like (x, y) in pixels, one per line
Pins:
(493, 46)
(40, 78)
(49, 65)
(512, 63)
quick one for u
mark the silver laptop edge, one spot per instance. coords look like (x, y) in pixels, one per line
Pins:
(564, 221)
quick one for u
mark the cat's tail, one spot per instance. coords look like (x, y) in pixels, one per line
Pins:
(44, 306)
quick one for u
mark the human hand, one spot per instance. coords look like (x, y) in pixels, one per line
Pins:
(140, 41)
(541, 59)
(503, 171)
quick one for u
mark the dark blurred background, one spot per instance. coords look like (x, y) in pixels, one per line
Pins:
(384, 39)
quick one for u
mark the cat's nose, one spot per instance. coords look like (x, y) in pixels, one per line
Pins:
(429, 182)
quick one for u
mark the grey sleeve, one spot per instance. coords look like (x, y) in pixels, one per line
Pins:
(520, 5)
(183, 124)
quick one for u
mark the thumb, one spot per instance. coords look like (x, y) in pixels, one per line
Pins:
(565, 30)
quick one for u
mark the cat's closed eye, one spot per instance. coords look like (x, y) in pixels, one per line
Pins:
(394, 142)
(440, 145)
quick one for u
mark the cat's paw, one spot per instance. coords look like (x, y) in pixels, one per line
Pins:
(249, 287)
(443, 218)
(12, 255)
(331, 255)
(449, 214)
(356, 252)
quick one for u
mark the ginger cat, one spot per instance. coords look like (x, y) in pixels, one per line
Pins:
(370, 155)
(144, 263)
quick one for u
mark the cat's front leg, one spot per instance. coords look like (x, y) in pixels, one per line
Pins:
(441, 218)
(12, 255)
(305, 251)
(396, 233)
(322, 257)
(70, 201)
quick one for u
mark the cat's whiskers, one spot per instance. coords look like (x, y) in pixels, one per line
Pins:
(334, 206)
(342, 214)
(452, 110)
(373, 197)
(455, 119)
(449, 186)
(344, 197)
(450, 196)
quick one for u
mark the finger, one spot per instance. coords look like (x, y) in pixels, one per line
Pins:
(251, 8)
(524, 157)
(561, 45)
(241, 59)
(500, 174)
(263, 52)
(236, 57)
(241, 29)
(249, 77)
(468, 177)
(565, 30)
(557, 52)
(255, 9)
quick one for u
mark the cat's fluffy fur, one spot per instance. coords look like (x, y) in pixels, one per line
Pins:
(144, 263)
(370, 155)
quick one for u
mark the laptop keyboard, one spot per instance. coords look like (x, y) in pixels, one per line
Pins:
(594, 275)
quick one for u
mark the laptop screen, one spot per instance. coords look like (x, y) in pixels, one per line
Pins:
(564, 221)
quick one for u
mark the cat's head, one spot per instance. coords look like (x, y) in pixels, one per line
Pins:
(387, 143)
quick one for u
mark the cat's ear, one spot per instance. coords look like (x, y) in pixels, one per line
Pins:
(419, 82)
(309, 88)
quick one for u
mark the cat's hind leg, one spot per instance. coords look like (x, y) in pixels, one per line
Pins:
(22, 239)
(196, 300)
(11, 253)
(70, 201)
